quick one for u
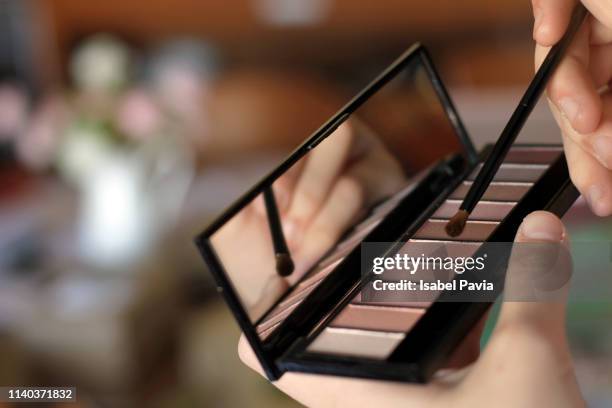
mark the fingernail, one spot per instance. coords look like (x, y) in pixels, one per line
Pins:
(538, 17)
(596, 197)
(289, 228)
(570, 108)
(542, 226)
(292, 233)
(602, 147)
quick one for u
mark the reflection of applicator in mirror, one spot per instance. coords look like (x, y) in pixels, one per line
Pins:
(284, 263)
(457, 223)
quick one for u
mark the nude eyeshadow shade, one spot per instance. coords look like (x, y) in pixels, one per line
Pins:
(355, 316)
(358, 343)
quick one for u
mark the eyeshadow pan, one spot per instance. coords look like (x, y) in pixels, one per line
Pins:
(514, 172)
(385, 301)
(400, 298)
(355, 343)
(299, 293)
(497, 191)
(484, 210)
(265, 333)
(452, 248)
(473, 231)
(278, 317)
(533, 154)
(379, 318)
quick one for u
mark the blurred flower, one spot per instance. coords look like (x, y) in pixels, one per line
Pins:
(138, 116)
(13, 110)
(181, 89)
(101, 63)
(85, 147)
(37, 145)
(181, 75)
(78, 129)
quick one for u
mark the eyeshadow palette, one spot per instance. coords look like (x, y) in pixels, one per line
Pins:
(383, 323)
(390, 168)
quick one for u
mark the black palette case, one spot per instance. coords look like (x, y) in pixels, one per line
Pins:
(314, 320)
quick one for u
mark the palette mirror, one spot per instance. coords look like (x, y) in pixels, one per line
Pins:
(279, 246)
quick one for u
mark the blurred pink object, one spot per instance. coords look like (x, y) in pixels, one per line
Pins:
(138, 116)
(13, 110)
(182, 89)
(38, 143)
(183, 92)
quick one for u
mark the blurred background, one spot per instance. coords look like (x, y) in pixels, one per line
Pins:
(125, 127)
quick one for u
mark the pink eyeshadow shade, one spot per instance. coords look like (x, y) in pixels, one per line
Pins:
(452, 248)
(384, 301)
(497, 191)
(533, 154)
(403, 299)
(278, 317)
(484, 211)
(299, 293)
(392, 319)
(265, 333)
(473, 231)
(514, 172)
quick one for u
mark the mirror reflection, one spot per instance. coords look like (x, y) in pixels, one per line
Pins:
(296, 231)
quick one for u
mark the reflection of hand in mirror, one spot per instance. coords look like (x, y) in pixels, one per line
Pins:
(329, 189)
(319, 198)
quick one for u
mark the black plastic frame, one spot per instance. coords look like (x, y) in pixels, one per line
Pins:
(282, 339)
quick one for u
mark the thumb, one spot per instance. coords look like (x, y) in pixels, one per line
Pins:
(538, 275)
(527, 358)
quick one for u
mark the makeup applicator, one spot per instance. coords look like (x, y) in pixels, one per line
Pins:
(284, 263)
(456, 224)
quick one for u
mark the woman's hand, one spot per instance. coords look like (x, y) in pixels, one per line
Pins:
(318, 199)
(526, 363)
(579, 94)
